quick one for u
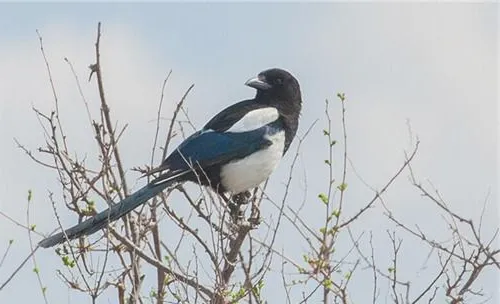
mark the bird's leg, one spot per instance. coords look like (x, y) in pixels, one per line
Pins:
(238, 200)
(254, 218)
(233, 207)
(226, 199)
(242, 198)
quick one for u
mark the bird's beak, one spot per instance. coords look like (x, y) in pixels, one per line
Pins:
(258, 83)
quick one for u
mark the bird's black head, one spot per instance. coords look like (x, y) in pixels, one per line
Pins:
(276, 85)
(278, 88)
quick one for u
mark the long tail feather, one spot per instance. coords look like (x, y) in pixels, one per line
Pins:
(109, 215)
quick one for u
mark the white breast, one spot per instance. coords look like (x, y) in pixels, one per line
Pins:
(251, 171)
(255, 119)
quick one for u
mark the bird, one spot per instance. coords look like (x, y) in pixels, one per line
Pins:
(234, 152)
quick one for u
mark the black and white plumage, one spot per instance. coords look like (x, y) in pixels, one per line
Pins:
(235, 151)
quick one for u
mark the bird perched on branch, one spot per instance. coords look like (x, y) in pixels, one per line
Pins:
(235, 151)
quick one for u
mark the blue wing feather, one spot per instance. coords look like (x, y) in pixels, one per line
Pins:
(207, 148)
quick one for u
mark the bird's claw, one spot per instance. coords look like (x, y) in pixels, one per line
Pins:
(241, 198)
(254, 222)
(236, 213)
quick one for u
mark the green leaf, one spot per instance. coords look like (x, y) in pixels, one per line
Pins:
(235, 296)
(336, 213)
(390, 269)
(348, 275)
(36, 270)
(152, 293)
(333, 143)
(342, 187)
(322, 230)
(325, 132)
(328, 283)
(68, 262)
(341, 96)
(32, 227)
(327, 162)
(306, 258)
(11, 241)
(167, 279)
(30, 195)
(323, 198)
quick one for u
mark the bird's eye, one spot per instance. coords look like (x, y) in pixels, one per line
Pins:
(278, 81)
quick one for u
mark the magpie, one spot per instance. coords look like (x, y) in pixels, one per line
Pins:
(235, 151)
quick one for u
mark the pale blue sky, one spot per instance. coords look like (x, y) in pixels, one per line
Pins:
(434, 64)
